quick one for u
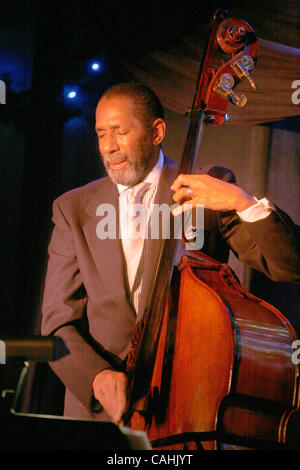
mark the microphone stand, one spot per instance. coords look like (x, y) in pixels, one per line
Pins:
(26, 350)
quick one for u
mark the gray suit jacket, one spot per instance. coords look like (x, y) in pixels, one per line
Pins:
(86, 297)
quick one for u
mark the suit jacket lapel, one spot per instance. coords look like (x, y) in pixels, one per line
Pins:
(107, 253)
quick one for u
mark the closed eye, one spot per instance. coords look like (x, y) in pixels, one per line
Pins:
(123, 132)
(101, 132)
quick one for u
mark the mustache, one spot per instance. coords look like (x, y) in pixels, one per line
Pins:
(114, 159)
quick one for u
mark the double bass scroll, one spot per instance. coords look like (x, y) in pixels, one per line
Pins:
(219, 74)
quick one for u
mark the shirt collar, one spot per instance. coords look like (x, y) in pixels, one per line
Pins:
(153, 176)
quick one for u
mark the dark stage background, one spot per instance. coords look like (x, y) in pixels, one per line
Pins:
(48, 145)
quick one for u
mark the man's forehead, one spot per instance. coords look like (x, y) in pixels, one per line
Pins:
(115, 102)
(115, 111)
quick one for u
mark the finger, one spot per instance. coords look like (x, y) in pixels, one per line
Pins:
(181, 180)
(120, 422)
(117, 419)
(118, 415)
(117, 411)
(182, 195)
(121, 394)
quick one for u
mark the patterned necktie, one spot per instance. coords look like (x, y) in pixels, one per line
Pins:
(134, 229)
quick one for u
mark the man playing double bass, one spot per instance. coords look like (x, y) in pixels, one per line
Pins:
(95, 287)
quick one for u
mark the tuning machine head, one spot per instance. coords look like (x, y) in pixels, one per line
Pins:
(224, 87)
(242, 67)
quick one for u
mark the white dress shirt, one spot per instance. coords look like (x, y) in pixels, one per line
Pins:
(148, 202)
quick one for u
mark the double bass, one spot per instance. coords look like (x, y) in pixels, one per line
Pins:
(210, 365)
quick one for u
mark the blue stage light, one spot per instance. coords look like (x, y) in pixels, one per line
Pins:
(95, 66)
(72, 94)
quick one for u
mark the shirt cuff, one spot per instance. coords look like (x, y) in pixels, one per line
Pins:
(258, 211)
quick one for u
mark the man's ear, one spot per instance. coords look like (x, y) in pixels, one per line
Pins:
(159, 131)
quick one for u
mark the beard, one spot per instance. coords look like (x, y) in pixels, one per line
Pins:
(139, 163)
(133, 174)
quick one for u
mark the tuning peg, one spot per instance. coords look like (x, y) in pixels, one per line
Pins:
(242, 67)
(238, 100)
(224, 87)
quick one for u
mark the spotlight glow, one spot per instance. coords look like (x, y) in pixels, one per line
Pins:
(72, 94)
(95, 66)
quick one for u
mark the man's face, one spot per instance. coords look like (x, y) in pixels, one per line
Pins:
(125, 143)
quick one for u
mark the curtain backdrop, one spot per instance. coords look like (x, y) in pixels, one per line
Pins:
(173, 74)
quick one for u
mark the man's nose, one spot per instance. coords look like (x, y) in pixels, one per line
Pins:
(109, 144)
